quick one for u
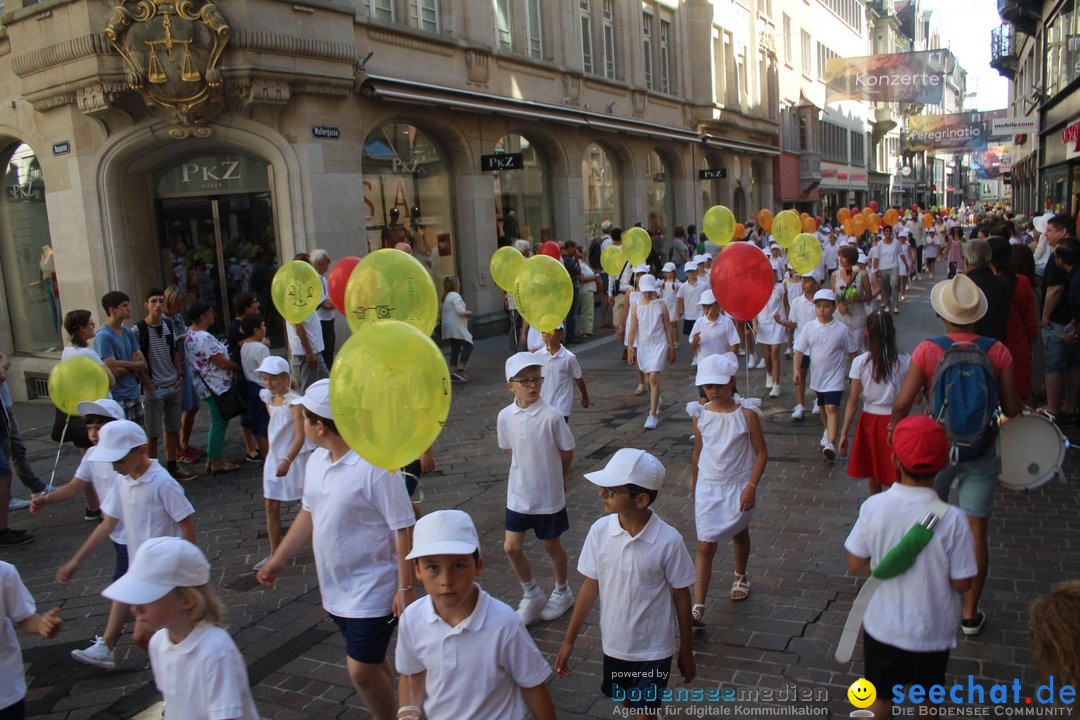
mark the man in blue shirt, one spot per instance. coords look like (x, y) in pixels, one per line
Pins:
(119, 350)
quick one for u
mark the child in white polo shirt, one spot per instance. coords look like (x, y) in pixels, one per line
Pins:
(638, 566)
(197, 666)
(828, 344)
(561, 372)
(911, 621)
(800, 313)
(541, 449)
(17, 609)
(357, 517)
(460, 652)
(149, 502)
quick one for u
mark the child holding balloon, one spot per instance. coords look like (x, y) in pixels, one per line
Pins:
(650, 339)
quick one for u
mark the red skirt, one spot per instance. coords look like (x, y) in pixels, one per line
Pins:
(871, 456)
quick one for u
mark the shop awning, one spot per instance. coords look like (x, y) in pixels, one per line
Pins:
(740, 145)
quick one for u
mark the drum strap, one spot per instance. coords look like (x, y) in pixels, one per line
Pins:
(895, 563)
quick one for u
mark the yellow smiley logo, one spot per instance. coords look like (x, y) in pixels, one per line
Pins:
(862, 693)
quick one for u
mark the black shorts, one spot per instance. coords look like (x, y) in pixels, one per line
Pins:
(805, 365)
(829, 398)
(366, 639)
(640, 682)
(546, 527)
(121, 561)
(886, 665)
(15, 711)
(687, 326)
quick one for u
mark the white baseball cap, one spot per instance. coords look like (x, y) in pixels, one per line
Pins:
(519, 361)
(702, 258)
(317, 399)
(862, 259)
(647, 283)
(716, 369)
(707, 298)
(606, 225)
(690, 266)
(444, 532)
(116, 440)
(160, 565)
(1041, 222)
(825, 294)
(668, 267)
(629, 466)
(904, 232)
(642, 268)
(273, 365)
(106, 407)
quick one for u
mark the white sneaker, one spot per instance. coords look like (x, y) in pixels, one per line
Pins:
(760, 364)
(640, 389)
(752, 361)
(775, 392)
(258, 565)
(798, 413)
(787, 353)
(530, 607)
(829, 451)
(824, 439)
(768, 381)
(816, 410)
(651, 422)
(557, 605)
(18, 503)
(98, 655)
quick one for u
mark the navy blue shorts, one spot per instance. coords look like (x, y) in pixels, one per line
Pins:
(255, 417)
(805, 365)
(546, 527)
(687, 326)
(639, 682)
(366, 639)
(121, 561)
(16, 711)
(412, 474)
(829, 398)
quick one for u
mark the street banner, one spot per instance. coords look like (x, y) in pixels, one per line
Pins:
(961, 132)
(1014, 125)
(991, 162)
(915, 77)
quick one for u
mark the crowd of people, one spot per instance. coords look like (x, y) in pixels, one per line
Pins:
(835, 323)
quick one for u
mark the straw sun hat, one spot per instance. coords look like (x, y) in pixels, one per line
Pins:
(960, 301)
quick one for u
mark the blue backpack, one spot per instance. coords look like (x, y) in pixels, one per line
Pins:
(963, 397)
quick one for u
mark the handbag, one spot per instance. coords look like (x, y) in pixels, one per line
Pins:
(229, 403)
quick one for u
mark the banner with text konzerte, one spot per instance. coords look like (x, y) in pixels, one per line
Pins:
(915, 77)
(961, 132)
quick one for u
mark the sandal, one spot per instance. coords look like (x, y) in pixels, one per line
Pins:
(740, 589)
(225, 467)
(697, 616)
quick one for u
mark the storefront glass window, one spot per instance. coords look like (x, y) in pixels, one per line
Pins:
(522, 199)
(601, 189)
(407, 196)
(1055, 188)
(26, 254)
(1062, 45)
(661, 202)
(712, 188)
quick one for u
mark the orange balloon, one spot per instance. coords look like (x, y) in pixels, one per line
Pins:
(740, 231)
(858, 224)
(891, 217)
(867, 211)
(843, 215)
(764, 219)
(927, 220)
(809, 225)
(874, 222)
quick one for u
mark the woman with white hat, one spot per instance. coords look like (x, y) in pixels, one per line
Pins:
(651, 338)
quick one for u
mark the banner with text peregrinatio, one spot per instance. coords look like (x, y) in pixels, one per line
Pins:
(915, 77)
(960, 132)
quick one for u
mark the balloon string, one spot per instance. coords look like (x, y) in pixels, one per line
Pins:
(746, 351)
(63, 434)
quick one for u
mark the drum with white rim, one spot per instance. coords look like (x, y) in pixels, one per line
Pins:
(1032, 451)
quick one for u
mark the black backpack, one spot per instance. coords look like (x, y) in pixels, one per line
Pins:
(594, 254)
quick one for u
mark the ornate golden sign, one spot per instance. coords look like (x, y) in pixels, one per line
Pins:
(172, 49)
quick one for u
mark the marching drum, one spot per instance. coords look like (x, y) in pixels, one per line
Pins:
(1032, 451)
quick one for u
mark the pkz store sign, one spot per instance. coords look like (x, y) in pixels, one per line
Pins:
(208, 174)
(712, 173)
(502, 161)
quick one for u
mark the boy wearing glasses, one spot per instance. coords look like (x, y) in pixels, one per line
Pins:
(541, 449)
(638, 566)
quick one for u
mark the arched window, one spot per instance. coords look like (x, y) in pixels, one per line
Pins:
(601, 189)
(522, 196)
(713, 187)
(661, 202)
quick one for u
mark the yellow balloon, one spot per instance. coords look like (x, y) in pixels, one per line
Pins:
(296, 291)
(543, 292)
(389, 392)
(390, 284)
(719, 225)
(75, 380)
(803, 255)
(785, 226)
(636, 245)
(505, 264)
(612, 260)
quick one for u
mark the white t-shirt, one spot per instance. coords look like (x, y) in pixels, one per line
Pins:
(16, 605)
(534, 436)
(251, 356)
(356, 508)
(149, 507)
(716, 337)
(878, 398)
(314, 333)
(827, 345)
(887, 254)
(636, 576)
(203, 677)
(560, 371)
(102, 476)
(475, 669)
(829, 254)
(919, 610)
(691, 298)
(801, 312)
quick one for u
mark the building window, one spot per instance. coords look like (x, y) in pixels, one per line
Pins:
(834, 142)
(858, 148)
(788, 55)
(522, 197)
(824, 54)
(504, 33)
(534, 29)
(608, 23)
(806, 59)
(665, 56)
(849, 11)
(424, 14)
(586, 35)
(764, 7)
(600, 181)
(381, 9)
(26, 256)
(660, 202)
(646, 20)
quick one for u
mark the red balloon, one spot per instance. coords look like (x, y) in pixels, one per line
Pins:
(551, 249)
(817, 220)
(742, 280)
(338, 279)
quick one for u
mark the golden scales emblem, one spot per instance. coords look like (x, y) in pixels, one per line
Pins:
(172, 49)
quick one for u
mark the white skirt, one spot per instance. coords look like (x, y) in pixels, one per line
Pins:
(716, 509)
(652, 356)
(771, 333)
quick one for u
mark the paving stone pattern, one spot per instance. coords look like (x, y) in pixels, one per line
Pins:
(779, 641)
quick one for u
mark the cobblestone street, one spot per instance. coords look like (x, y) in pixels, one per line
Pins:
(776, 645)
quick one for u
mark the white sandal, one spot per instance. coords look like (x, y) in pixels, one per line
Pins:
(697, 616)
(741, 586)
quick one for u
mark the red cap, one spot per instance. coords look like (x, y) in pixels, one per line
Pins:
(920, 444)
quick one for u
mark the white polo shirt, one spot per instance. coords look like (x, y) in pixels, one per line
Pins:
(149, 507)
(102, 476)
(636, 574)
(356, 508)
(475, 669)
(691, 298)
(887, 254)
(828, 346)
(16, 605)
(534, 436)
(829, 254)
(560, 371)
(203, 677)
(313, 328)
(717, 336)
(801, 312)
(919, 610)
